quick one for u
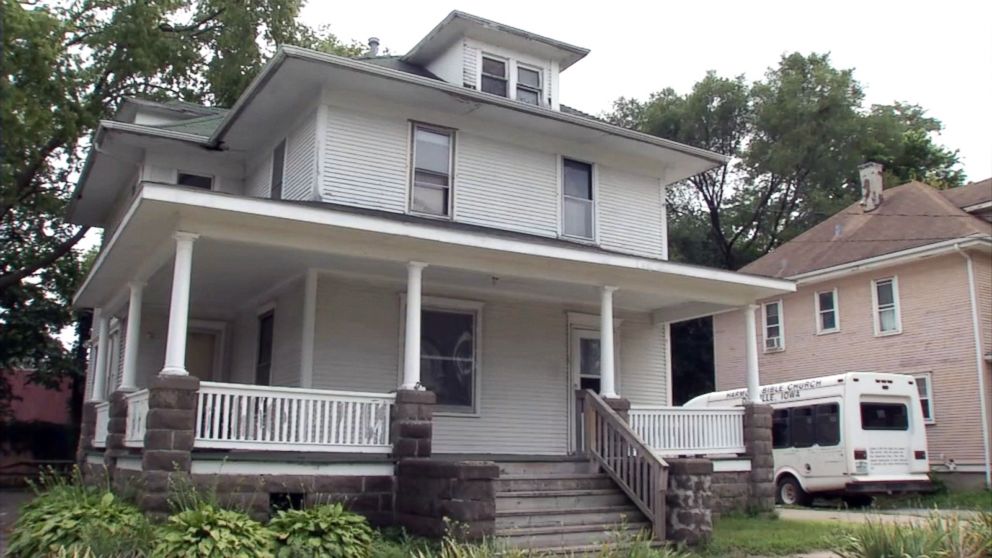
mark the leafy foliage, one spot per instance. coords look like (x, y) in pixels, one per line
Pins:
(327, 531)
(796, 137)
(67, 516)
(211, 532)
(940, 536)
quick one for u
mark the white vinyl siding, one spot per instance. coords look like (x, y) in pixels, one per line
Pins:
(364, 162)
(257, 183)
(301, 149)
(470, 66)
(504, 186)
(630, 212)
(525, 389)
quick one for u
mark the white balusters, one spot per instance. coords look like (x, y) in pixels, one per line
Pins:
(102, 424)
(674, 431)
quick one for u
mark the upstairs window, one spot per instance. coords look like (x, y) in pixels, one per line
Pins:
(577, 203)
(494, 79)
(827, 320)
(278, 161)
(195, 180)
(774, 338)
(529, 85)
(885, 296)
(923, 385)
(433, 152)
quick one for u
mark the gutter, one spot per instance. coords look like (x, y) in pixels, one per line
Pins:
(979, 364)
(286, 52)
(902, 256)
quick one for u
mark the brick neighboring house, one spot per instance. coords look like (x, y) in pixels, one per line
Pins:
(889, 289)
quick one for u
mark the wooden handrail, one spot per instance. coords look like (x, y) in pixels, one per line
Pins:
(609, 441)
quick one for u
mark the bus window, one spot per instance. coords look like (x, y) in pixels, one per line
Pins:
(780, 429)
(827, 424)
(884, 416)
(801, 425)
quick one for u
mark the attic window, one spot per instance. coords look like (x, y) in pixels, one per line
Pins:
(494, 76)
(195, 180)
(528, 85)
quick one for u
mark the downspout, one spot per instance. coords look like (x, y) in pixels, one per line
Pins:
(979, 362)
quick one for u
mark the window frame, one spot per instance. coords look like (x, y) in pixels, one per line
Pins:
(781, 326)
(594, 201)
(452, 136)
(928, 378)
(896, 307)
(540, 83)
(451, 305)
(181, 172)
(507, 72)
(261, 313)
(818, 312)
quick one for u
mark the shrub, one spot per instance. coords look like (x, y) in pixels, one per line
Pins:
(68, 517)
(938, 536)
(207, 531)
(327, 531)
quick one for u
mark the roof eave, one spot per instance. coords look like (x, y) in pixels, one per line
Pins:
(285, 52)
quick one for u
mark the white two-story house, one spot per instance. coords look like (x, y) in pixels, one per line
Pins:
(354, 227)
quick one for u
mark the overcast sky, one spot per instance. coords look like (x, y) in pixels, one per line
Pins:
(935, 54)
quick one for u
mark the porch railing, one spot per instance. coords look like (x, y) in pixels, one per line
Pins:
(620, 452)
(137, 414)
(237, 416)
(672, 431)
(102, 427)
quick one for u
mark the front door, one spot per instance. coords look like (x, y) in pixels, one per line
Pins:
(201, 354)
(583, 373)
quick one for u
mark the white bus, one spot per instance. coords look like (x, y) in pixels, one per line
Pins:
(851, 435)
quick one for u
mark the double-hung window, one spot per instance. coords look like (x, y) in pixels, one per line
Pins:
(774, 337)
(449, 356)
(885, 299)
(494, 76)
(528, 85)
(925, 387)
(827, 317)
(578, 209)
(433, 153)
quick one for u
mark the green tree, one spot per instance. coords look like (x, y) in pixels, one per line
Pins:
(68, 65)
(796, 136)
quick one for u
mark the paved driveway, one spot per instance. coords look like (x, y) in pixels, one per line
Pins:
(861, 516)
(10, 502)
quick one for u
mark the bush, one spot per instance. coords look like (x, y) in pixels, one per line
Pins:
(939, 536)
(67, 516)
(207, 531)
(327, 531)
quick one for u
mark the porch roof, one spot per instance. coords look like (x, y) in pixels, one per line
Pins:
(259, 238)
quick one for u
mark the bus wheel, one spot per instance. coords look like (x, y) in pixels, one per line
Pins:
(789, 493)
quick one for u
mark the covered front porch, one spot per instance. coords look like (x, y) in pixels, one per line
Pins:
(302, 322)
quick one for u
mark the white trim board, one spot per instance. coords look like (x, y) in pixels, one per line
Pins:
(223, 467)
(731, 465)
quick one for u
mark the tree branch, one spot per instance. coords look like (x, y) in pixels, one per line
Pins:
(11, 279)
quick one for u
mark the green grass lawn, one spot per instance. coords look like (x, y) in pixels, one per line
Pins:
(950, 500)
(747, 536)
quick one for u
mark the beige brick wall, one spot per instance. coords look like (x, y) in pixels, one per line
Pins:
(937, 337)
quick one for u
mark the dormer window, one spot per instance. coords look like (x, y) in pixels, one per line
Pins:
(494, 79)
(528, 85)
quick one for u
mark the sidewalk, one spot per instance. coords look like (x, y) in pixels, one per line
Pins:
(861, 516)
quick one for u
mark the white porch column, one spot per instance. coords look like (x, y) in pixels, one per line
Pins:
(411, 344)
(175, 343)
(607, 374)
(751, 352)
(100, 366)
(132, 337)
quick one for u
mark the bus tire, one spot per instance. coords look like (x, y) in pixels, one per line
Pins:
(788, 492)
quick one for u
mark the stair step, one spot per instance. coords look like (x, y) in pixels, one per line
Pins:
(563, 481)
(559, 499)
(568, 535)
(606, 515)
(546, 467)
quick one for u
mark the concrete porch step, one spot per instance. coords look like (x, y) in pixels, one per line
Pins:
(560, 481)
(606, 515)
(550, 466)
(559, 499)
(568, 535)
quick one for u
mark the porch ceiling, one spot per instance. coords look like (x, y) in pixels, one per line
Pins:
(247, 247)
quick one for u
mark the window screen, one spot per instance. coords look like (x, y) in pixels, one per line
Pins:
(884, 416)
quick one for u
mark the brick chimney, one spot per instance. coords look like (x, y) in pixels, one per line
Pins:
(871, 186)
